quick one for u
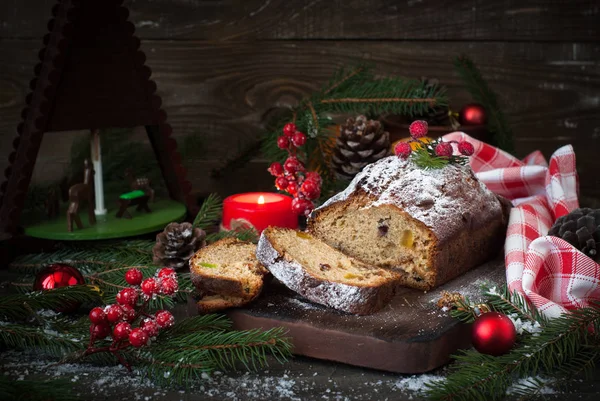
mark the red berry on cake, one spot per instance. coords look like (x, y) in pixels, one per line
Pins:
(443, 149)
(138, 337)
(164, 319)
(149, 286)
(466, 148)
(97, 316)
(276, 169)
(281, 183)
(402, 150)
(114, 313)
(418, 129)
(168, 285)
(299, 139)
(283, 142)
(289, 129)
(133, 277)
(127, 296)
(121, 331)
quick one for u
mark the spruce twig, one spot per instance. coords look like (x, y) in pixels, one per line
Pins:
(209, 212)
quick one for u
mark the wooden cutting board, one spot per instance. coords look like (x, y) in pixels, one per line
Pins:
(410, 335)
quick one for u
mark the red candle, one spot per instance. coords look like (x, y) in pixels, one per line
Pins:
(258, 210)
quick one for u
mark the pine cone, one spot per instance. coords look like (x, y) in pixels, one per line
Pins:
(361, 142)
(580, 228)
(437, 115)
(177, 244)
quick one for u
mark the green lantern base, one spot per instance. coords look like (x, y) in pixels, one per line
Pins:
(107, 226)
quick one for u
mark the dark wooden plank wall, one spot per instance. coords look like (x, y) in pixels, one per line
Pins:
(222, 67)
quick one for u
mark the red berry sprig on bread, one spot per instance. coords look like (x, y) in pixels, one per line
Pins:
(292, 177)
(434, 154)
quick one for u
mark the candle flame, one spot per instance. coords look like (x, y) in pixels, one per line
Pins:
(261, 200)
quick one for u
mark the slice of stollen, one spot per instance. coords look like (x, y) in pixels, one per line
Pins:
(323, 274)
(229, 268)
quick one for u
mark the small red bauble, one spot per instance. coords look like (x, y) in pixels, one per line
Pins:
(168, 286)
(99, 331)
(98, 316)
(121, 331)
(164, 318)
(129, 313)
(299, 139)
(494, 334)
(149, 286)
(138, 337)
(466, 148)
(114, 313)
(443, 149)
(133, 277)
(150, 327)
(276, 169)
(281, 183)
(472, 114)
(289, 129)
(283, 142)
(418, 129)
(127, 296)
(402, 149)
(59, 275)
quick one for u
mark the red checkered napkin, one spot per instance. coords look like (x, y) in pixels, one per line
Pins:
(549, 271)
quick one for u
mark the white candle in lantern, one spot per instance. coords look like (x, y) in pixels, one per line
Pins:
(97, 163)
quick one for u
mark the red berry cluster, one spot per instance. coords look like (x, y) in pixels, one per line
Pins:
(292, 177)
(418, 129)
(117, 319)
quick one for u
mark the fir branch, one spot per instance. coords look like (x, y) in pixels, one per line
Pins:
(18, 306)
(509, 303)
(35, 390)
(209, 212)
(483, 94)
(23, 336)
(343, 78)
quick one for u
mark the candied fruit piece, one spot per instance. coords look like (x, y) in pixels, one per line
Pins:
(407, 239)
(302, 234)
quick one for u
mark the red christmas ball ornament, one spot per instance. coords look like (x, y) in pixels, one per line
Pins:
(98, 316)
(444, 149)
(133, 277)
(494, 334)
(402, 150)
(466, 148)
(418, 129)
(276, 169)
(59, 275)
(164, 319)
(283, 142)
(127, 296)
(121, 331)
(472, 114)
(114, 313)
(289, 129)
(149, 286)
(138, 337)
(150, 327)
(299, 139)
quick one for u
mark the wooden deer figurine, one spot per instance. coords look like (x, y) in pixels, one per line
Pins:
(79, 193)
(141, 183)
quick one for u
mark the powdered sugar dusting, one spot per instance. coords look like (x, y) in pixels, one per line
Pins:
(446, 200)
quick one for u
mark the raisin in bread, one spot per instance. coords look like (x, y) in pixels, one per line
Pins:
(228, 269)
(322, 274)
(432, 224)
